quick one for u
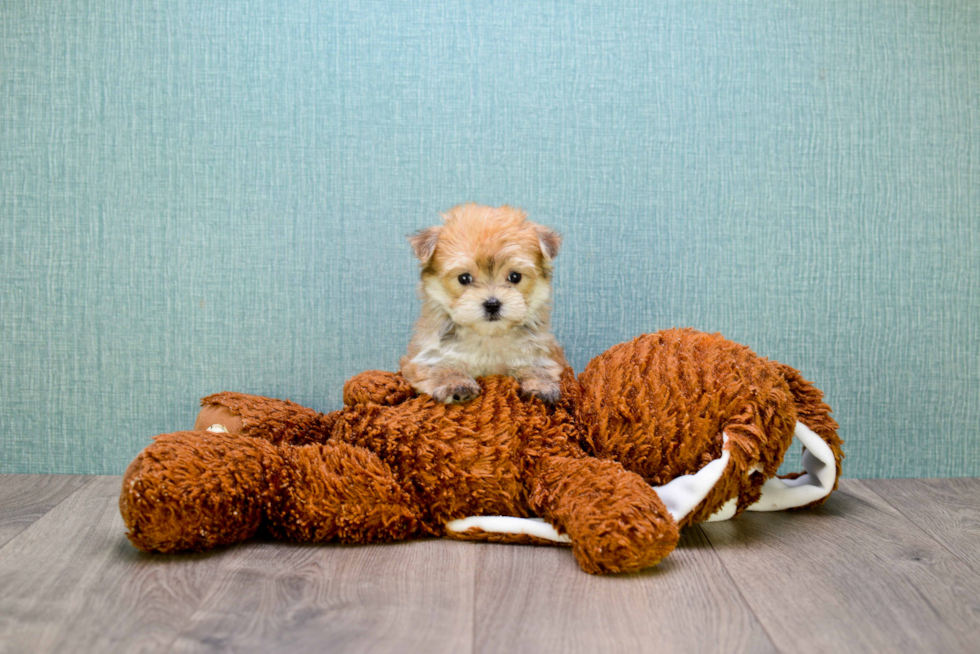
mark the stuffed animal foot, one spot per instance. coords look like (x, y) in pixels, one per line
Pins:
(195, 490)
(615, 520)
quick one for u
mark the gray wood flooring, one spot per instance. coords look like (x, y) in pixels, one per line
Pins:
(883, 566)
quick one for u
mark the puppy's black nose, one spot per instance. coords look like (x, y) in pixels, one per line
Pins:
(492, 306)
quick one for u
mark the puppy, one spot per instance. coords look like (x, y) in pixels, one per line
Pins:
(486, 292)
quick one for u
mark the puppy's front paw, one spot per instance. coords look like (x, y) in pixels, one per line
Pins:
(545, 390)
(458, 390)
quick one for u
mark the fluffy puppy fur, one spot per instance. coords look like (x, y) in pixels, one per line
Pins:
(486, 292)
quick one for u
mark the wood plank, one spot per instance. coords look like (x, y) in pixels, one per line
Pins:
(72, 582)
(947, 509)
(25, 498)
(884, 566)
(536, 599)
(853, 575)
(398, 597)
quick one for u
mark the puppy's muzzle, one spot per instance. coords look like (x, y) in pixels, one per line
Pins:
(492, 307)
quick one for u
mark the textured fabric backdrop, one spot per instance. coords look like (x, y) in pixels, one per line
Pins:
(200, 196)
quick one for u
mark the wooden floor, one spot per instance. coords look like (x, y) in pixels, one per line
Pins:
(884, 566)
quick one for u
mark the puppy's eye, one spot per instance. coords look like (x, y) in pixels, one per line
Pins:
(465, 279)
(514, 277)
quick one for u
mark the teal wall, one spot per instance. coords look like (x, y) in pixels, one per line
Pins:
(199, 196)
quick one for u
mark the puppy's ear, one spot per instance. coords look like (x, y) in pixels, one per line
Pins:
(424, 242)
(549, 240)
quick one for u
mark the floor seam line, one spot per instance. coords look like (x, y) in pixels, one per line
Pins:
(922, 529)
(480, 553)
(738, 589)
(85, 483)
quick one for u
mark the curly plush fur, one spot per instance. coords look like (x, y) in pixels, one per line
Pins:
(389, 466)
(660, 403)
(392, 465)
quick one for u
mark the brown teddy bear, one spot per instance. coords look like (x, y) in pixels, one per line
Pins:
(668, 429)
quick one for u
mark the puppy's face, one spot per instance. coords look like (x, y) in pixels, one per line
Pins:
(488, 268)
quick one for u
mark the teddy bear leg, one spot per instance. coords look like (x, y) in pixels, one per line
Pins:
(615, 520)
(686, 493)
(814, 413)
(683, 494)
(808, 488)
(338, 491)
(197, 490)
(680, 496)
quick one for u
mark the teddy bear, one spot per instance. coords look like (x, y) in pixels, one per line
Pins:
(657, 433)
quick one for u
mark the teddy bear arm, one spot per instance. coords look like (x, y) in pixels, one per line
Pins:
(615, 520)
(815, 414)
(377, 387)
(277, 421)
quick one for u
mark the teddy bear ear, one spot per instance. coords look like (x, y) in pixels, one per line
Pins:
(424, 242)
(550, 241)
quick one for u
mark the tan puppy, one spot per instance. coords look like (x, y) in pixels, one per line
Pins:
(486, 291)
